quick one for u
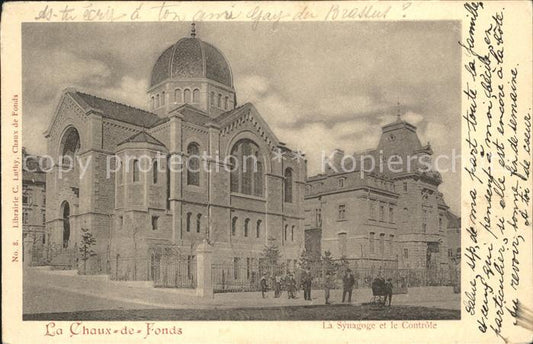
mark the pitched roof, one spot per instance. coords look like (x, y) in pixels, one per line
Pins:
(228, 114)
(114, 110)
(143, 136)
(193, 115)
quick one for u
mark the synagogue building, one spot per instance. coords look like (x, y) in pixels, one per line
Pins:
(125, 185)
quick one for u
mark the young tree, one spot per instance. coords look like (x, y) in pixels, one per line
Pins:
(271, 256)
(305, 261)
(343, 265)
(86, 247)
(328, 263)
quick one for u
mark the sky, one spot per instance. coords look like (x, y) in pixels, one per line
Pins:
(319, 85)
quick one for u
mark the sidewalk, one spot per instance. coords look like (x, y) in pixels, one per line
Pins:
(42, 288)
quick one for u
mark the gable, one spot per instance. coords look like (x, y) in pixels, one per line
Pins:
(68, 114)
(66, 105)
(246, 117)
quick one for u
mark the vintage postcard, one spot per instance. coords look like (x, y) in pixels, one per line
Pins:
(267, 172)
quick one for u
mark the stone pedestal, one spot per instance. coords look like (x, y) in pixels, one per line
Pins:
(204, 285)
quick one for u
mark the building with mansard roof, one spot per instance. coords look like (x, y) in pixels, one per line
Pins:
(383, 217)
(146, 215)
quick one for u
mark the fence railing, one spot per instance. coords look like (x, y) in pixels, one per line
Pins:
(165, 271)
(234, 279)
(180, 273)
(227, 278)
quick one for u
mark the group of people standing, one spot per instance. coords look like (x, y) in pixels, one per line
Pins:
(348, 283)
(278, 284)
(288, 283)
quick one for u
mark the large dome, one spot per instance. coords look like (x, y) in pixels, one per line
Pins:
(192, 58)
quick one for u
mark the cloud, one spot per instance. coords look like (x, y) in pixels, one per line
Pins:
(413, 118)
(272, 105)
(53, 70)
(317, 140)
(129, 91)
(252, 86)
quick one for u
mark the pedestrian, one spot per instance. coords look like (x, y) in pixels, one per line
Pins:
(329, 283)
(348, 281)
(388, 291)
(291, 286)
(307, 281)
(263, 284)
(277, 285)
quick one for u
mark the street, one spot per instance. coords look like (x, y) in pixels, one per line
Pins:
(66, 295)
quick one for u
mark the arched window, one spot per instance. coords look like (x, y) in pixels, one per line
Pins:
(225, 103)
(198, 222)
(155, 172)
(285, 233)
(371, 242)
(157, 101)
(136, 168)
(70, 145)
(247, 168)
(288, 185)
(258, 176)
(155, 223)
(187, 96)
(246, 227)
(193, 164)
(152, 104)
(196, 96)
(234, 226)
(219, 100)
(188, 224)
(292, 233)
(178, 96)
(247, 173)
(258, 229)
(212, 99)
(163, 96)
(66, 223)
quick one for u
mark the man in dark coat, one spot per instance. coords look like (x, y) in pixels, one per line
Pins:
(329, 283)
(263, 284)
(348, 281)
(291, 286)
(388, 291)
(277, 285)
(307, 280)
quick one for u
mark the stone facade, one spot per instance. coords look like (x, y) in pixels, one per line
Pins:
(386, 217)
(125, 190)
(33, 210)
(121, 174)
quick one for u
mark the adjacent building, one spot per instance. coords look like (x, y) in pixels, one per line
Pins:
(33, 210)
(382, 216)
